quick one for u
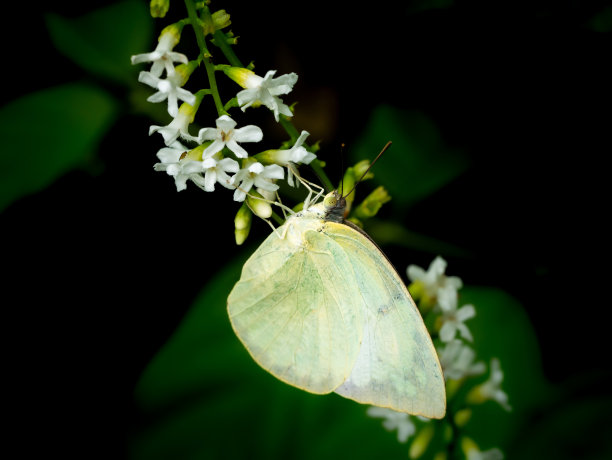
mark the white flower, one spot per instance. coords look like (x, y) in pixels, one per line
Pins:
(182, 169)
(170, 89)
(491, 454)
(266, 91)
(452, 321)
(473, 452)
(457, 361)
(224, 135)
(394, 420)
(295, 155)
(255, 174)
(178, 127)
(435, 283)
(215, 170)
(163, 56)
(491, 389)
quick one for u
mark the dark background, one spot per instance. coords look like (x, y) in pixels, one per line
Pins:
(104, 263)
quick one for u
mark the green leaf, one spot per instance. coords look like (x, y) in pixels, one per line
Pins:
(48, 133)
(103, 41)
(417, 164)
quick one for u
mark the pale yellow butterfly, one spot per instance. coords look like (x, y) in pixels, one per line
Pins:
(319, 306)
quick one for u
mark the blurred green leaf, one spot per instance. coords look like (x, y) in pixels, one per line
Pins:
(49, 132)
(602, 21)
(417, 164)
(502, 329)
(103, 41)
(204, 397)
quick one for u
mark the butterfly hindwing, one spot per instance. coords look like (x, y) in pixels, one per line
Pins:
(397, 366)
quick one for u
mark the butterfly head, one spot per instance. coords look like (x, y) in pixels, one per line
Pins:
(335, 205)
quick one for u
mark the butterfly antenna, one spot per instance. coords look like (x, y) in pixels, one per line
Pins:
(341, 169)
(387, 145)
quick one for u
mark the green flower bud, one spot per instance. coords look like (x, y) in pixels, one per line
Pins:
(370, 206)
(462, 417)
(159, 8)
(174, 31)
(360, 169)
(421, 441)
(242, 223)
(440, 456)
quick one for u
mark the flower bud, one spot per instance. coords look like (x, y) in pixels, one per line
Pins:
(440, 455)
(360, 169)
(171, 34)
(370, 206)
(260, 207)
(462, 417)
(159, 8)
(242, 224)
(421, 441)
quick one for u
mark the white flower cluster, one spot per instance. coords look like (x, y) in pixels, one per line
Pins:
(438, 293)
(218, 155)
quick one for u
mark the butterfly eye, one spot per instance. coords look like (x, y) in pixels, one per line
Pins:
(330, 201)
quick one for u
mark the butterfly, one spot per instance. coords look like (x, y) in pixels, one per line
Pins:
(319, 306)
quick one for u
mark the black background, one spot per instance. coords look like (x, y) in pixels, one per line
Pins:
(103, 264)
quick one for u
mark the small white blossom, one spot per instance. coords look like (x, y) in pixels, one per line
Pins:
(452, 321)
(286, 157)
(491, 454)
(163, 57)
(181, 169)
(394, 420)
(178, 127)
(170, 89)
(255, 174)
(266, 91)
(215, 170)
(224, 135)
(491, 389)
(457, 361)
(435, 283)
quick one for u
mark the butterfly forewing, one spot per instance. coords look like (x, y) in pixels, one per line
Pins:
(298, 310)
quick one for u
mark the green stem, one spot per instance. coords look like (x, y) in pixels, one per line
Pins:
(228, 52)
(205, 55)
(221, 42)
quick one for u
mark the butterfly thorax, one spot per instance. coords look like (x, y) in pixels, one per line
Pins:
(330, 209)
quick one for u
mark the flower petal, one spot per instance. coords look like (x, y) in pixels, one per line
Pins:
(225, 123)
(234, 147)
(250, 133)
